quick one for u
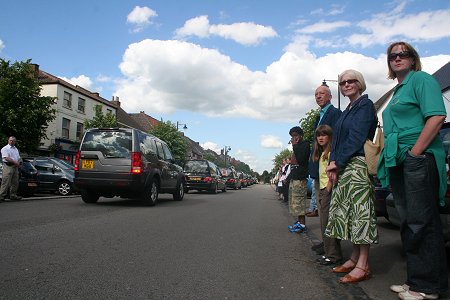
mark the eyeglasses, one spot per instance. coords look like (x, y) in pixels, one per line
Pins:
(403, 54)
(350, 81)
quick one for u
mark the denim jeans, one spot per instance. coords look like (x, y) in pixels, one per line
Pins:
(415, 187)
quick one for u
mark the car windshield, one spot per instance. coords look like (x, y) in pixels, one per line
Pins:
(65, 165)
(196, 166)
(112, 144)
(445, 135)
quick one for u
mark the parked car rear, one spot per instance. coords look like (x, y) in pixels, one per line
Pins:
(231, 177)
(128, 163)
(28, 180)
(203, 175)
(54, 174)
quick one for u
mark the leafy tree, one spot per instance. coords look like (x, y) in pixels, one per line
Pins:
(243, 167)
(169, 133)
(23, 112)
(279, 158)
(307, 124)
(101, 120)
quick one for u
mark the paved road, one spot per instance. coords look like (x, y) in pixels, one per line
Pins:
(232, 245)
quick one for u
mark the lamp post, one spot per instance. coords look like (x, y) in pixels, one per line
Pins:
(179, 124)
(324, 83)
(226, 149)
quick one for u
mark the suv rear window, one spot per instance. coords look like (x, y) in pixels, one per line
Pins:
(112, 144)
(199, 166)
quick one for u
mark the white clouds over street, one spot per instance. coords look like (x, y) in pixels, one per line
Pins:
(245, 33)
(270, 141)
(141, 17)
(2, 46)
(82, 80)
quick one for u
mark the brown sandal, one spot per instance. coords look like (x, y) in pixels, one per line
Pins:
(342, 269)
(351, 279)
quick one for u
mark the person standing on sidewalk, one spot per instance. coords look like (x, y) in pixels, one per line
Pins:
(298, 179)
(413, 163)
(352, 208)
(10, 175)
(328, 116)
(322, 149)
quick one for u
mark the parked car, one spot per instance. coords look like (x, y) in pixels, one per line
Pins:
(444, 211)
(203, 175)
(28, 181)
(128, 163)
(380, 199)
(54, 174)
(242, 179)
(231, 177)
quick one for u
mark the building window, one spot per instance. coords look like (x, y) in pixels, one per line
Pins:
(67, 102)
(81, 104)
(79, 131)
(108, 111)
(65, 128)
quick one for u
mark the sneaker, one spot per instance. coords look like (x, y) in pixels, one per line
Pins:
(397, 288)
(294, 226)
(410, 295)
(299, 228)
(16, 198)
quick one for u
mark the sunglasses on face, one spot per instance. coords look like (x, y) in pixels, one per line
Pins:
(403, 54)
(350, 81)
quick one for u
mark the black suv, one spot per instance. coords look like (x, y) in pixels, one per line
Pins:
(203, 175)
(128, 163)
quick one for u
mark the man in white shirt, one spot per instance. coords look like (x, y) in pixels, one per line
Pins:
(10, 178)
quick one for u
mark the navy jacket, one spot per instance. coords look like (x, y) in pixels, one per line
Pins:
(301, 153)
(356, 124)
(329, 118)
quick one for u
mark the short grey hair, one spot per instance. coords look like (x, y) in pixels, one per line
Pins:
(355, 75)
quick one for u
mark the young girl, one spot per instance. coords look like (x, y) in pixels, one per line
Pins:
(322, 148)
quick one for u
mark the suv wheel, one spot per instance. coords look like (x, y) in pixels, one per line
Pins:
(151, 194)
(214, 189)
(178, 195)
(89, 197)
(64, 188)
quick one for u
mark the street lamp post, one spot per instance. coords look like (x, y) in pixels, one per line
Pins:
(226, 149)
(324, 83)
(179, 124)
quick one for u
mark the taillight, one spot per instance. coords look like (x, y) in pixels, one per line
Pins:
(136, 163)
(231, 180)
(208, 179)
(77, 161)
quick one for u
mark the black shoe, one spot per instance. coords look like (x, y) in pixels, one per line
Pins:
(317, 246)
(319, 260)
(329, 262)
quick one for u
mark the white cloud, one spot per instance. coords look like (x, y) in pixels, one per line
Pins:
(141, 17)
(82, 80)
(385, 27)
(323, 26)
(164, 76)
(2, 45)
(245, 33)
(211, 146)
(270, 141)
(334, 10)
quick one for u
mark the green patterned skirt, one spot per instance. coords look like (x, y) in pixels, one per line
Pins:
(352, 208)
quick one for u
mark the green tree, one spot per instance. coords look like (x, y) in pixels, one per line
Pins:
(101, 120)
(23, 112)
(279, 158)
(169, 133)
(307, 124)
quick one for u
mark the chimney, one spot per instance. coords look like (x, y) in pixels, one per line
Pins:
(35, 68)
(115, 100)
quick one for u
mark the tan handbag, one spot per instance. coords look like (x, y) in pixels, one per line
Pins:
(372, 151)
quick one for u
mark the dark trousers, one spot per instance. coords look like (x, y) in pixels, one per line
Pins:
(415, 185)
(331, 246)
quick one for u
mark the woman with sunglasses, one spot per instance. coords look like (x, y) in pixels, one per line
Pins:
(352, 210)
(413, 163)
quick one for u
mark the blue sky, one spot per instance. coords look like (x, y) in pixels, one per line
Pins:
(237, 73)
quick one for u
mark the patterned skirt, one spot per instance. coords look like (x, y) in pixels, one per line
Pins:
(352, 208)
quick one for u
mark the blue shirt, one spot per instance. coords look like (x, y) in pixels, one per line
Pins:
(323, 111)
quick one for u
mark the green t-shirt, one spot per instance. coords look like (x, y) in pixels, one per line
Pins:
(414, 100)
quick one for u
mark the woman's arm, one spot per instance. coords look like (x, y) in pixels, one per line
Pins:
(429, 132)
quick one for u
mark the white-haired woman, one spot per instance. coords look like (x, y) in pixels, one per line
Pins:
(352, 211)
